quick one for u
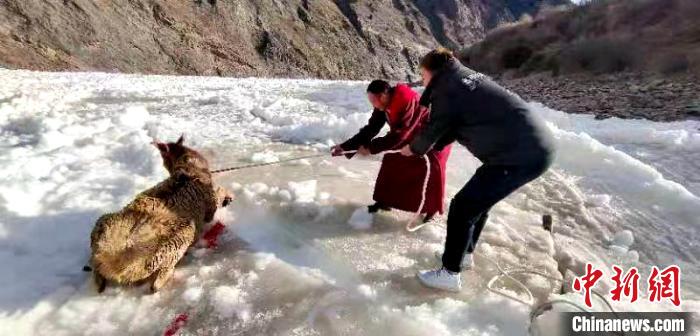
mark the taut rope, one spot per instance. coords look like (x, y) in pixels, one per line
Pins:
(255, 165)
(410, 227)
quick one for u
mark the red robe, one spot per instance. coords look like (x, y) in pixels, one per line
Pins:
(400, 181)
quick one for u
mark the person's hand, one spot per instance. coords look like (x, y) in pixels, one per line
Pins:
(337, 150)
(363, 151)
(406, 151)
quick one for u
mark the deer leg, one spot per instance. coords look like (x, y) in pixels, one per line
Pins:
(100, 281)
(171, 253)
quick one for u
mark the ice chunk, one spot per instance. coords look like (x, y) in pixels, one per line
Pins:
(618, 251)
(249, 194)
(598, 200)
(326, 211)
(367, 291)
(264, 157)
(192, 294)
(361, 219)
(623, 239)
(200, 252)
(259, 188)
(303, 192)
(263, 260)
(285, 195)
(229, 302)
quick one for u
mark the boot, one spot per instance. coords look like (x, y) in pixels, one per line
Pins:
(374, 208)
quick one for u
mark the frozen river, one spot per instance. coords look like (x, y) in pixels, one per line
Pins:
(73, 146)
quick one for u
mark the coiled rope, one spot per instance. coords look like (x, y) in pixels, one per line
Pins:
(538, 309)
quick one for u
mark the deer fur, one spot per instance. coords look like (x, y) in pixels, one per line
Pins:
(146, 239)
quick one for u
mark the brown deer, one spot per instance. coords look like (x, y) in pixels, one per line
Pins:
(144, 241)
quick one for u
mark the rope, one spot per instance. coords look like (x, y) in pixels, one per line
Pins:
(537, 309)
(255, 165)
(410, 227)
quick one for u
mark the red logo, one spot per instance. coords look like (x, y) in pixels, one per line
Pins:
(662, 284)
(629, 286)
(592, 276)
(668, 287)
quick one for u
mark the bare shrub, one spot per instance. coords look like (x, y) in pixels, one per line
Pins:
(673, 63)
(600, 55)
(514, 57)
(541, 62)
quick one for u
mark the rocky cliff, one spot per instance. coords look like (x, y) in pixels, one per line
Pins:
(289, 38)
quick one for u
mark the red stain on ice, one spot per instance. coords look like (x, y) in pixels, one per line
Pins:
(211, 237)
(175, 326)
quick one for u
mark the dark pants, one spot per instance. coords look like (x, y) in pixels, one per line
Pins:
(469, 208)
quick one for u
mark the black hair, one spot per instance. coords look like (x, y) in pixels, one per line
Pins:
(378, 86)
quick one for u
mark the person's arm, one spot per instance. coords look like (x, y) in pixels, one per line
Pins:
(366, 133)
(402, 131)
(427, 96)
(439, 124)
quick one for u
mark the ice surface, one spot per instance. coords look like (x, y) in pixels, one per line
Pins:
(361, 219)
(73, 146)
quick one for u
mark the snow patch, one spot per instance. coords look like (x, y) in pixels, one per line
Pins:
(264, 157)
(76, 145)
(230, 302)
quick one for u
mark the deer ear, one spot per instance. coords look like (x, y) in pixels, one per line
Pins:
(162, 147)
(181, 140)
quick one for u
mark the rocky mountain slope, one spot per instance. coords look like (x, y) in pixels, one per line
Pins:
(621, 58)
(290, 38)
(603, 36)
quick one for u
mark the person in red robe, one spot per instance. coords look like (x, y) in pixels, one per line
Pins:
(399, 184)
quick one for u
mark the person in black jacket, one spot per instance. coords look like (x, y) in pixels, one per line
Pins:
(499, 129)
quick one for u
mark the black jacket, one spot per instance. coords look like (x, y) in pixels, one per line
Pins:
(496, 126)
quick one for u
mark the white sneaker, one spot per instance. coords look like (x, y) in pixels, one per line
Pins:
(467, 262)
(441, 279)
